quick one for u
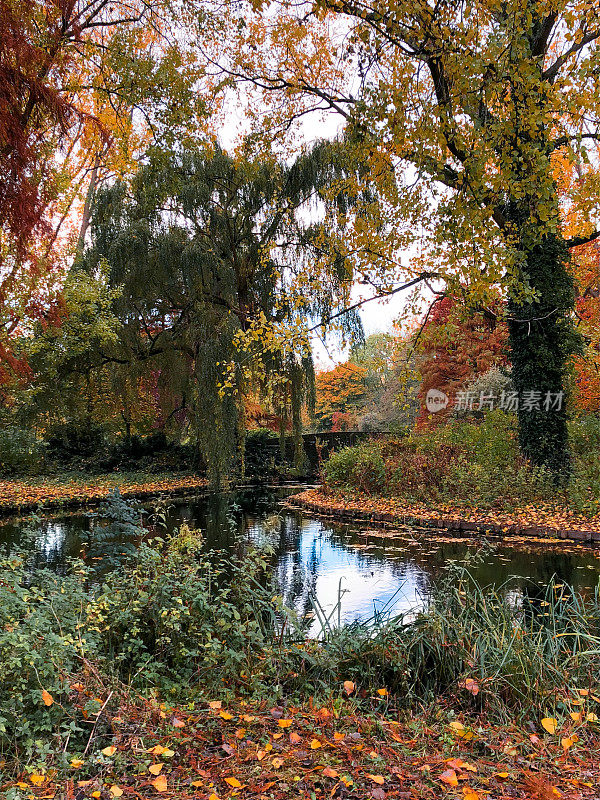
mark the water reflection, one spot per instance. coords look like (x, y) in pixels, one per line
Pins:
(368, 571)
(348, 584)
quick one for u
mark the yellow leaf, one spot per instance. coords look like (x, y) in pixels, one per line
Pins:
(154, 769)
(47, 698)
(116, 791)
(576, 716)
(470, 794)
(213, 797)
(226, 715)
(502, 774)
(268, 747)
(376, 779)
(96, 794)
(549, 724)
(349, 687)
(277, 763)
(233, 782)
(109, 751)
(315, 744)
(168, 753)
(285, 723)
(591, 717)
(157, 750)
(36, 779)
(76, 763)
(460, 730)
(160, 783)
(382, 692)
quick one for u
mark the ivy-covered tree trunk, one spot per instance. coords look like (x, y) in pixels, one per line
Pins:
(542, 339)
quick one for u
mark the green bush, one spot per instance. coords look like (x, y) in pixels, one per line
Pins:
(361, 467)
(21, 452)
(462, 462)
(41, 644)
(176, 617)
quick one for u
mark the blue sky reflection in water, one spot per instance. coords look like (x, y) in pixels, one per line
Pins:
(348, 583)
(376, 570)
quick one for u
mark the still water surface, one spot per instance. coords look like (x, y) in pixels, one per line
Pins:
(368, 570)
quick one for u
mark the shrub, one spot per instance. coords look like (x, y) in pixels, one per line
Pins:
(21, 452)
(361, 467)
(75, 439)
(461, 462)
(40, 647)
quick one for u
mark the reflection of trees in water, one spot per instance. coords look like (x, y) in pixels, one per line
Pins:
(301, 555)
(50, 542)
(228, 521)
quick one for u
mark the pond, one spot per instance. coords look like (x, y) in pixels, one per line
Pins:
(351, 571)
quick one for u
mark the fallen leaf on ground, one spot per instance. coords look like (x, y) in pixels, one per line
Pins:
(160, 783)
(549, 724)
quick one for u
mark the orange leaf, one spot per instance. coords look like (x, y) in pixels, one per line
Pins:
(47, 698)
(285, 723)
(154, 769)
(330, 773)
(567, 742)
(160, 783)
(376, 779)
(233, 782)
(109, 751)
(349, 687)
(449, 777)
(315, 744)
(295, 738)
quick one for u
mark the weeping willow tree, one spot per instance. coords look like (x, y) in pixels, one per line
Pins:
(222, 264)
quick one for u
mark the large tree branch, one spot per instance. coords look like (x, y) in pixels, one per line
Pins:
(552, 71)
(423, 277)
(564, 140)
(575, 241)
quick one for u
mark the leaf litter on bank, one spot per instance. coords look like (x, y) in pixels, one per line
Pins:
(338, 750)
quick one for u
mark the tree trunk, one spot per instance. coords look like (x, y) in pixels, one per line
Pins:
(542, 340)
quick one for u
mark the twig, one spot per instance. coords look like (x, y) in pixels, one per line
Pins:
(87, 747)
